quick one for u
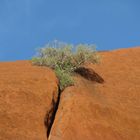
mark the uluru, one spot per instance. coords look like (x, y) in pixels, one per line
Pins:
(103, 107)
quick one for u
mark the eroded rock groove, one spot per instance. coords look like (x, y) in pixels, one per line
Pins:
(50, 115)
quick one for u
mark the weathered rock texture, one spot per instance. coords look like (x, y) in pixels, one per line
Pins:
(27, 95)
(103, 111)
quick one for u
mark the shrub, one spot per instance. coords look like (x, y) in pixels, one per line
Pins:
(65, 59)
(65, 79)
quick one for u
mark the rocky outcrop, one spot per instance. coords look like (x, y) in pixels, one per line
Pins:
(28, 95)
(102, 111)
(104, 103)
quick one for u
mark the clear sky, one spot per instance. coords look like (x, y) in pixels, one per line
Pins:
(29, 24)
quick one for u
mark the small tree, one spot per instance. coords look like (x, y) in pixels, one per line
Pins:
(64, 59)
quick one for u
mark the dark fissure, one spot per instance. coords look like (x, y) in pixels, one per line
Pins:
(50, 115)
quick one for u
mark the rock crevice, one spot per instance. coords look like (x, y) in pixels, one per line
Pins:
(50, 115)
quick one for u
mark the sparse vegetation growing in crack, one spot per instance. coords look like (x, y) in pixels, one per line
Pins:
(64, 59)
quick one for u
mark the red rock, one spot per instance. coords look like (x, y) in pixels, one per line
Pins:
(26, 94)
(103, 111)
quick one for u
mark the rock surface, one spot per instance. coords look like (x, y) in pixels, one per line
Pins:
(103, 111)
(26, 95)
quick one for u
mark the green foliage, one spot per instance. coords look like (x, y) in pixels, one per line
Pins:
(65, 59)
(65, 79)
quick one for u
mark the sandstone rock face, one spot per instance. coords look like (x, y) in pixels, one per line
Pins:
(26, 95)
(103, 111)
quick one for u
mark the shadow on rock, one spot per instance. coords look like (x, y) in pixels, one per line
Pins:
(89, 74)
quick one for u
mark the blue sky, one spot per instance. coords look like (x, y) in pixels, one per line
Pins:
(29, 24)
